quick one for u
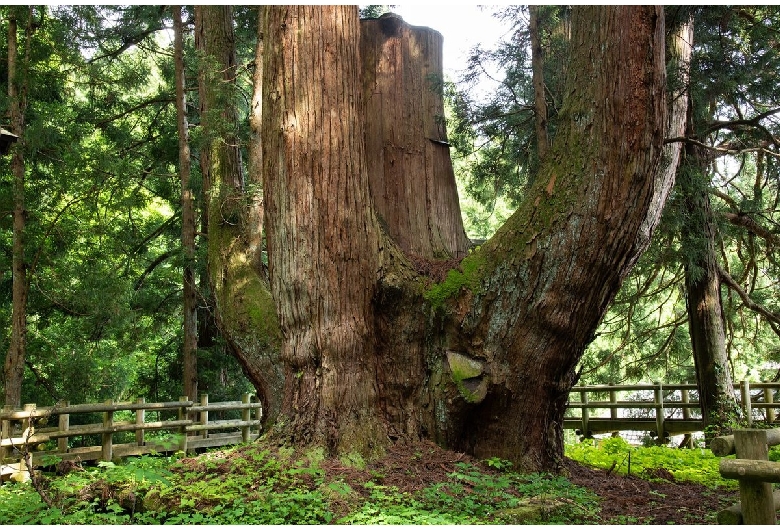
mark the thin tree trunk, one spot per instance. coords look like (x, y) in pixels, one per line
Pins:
(17, 88)
(705, 321)
(704, 304)
(243, 308)
(190, 346)
(702, 280)
(537, 71)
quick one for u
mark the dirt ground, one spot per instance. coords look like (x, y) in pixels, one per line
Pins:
(624, 499)
(635, 500)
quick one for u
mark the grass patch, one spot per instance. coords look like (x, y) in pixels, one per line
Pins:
(695, 465)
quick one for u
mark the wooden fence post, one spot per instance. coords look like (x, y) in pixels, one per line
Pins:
(758, 505)
(140, 419)
(5, 433)
(204, 414)
(585, 414)
(27, 423)
(685, 398)
(747, 407)
(769, 398)
(659, 411)
(613, 413)
(108, 437)
(259, 417)
(63, 425)
(183, 429)
(245, 416)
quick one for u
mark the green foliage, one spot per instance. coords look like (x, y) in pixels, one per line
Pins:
(102, 192)
(374, 11)
(696, 465)
(498, 463)
(473, 497)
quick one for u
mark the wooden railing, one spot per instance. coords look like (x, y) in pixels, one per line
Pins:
(755, 473)
(670, 409)
(29, 429)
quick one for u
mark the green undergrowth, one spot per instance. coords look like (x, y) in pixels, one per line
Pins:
(695, 465)
(253, 484)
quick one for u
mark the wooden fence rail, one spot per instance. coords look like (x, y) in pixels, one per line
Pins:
(755, 473)
(27, 429)
(668, 410)
(671, 409)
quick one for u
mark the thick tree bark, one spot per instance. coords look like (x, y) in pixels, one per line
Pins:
(679, 47)
(207, 327)
(14, 360)
(550, 272)
(323, 238)
(482, 361)
(254, 229)
(242, 303)
(190, 345)
(410, 171)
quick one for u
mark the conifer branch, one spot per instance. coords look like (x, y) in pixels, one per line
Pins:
(772, 319)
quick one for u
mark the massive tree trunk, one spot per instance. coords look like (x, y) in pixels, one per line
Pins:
(190, 344)
(323, 237)
(550, 272)
(376, 346)
(17, 86)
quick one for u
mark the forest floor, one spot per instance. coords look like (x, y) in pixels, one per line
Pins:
(656, 498)
(266, 482)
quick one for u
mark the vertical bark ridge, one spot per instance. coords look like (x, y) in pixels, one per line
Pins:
(322, 236)
(409, 166)
(243, 308)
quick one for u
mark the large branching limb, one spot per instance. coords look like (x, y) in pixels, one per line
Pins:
(754, 122)
(744, 220)
(771, 318)
(727, 148)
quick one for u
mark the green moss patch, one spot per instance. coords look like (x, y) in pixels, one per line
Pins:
(466, 276)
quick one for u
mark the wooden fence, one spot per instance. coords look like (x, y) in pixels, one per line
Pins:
(755, 473)
(668, 410)
(191, 428)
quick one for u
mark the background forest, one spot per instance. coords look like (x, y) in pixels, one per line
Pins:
(102, 196)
